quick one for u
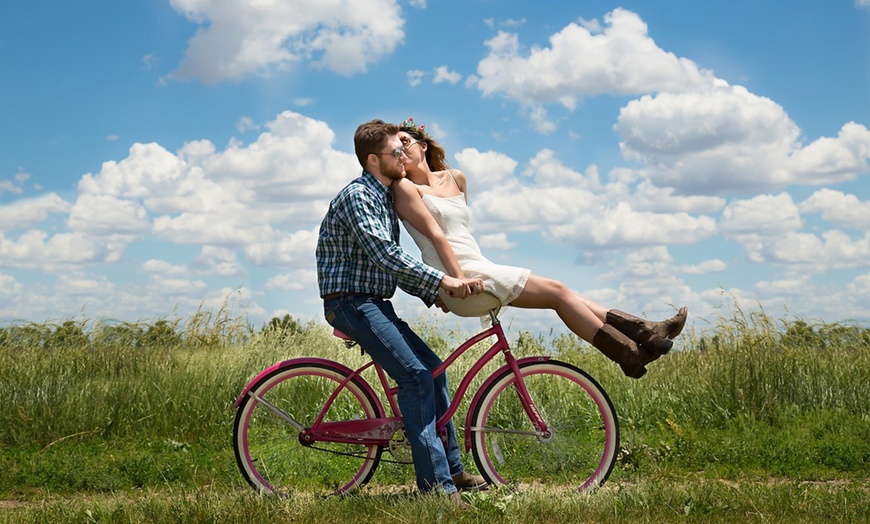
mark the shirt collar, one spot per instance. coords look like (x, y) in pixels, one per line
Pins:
(370, 181)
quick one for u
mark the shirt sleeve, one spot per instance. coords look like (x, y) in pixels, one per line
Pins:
(373, 234)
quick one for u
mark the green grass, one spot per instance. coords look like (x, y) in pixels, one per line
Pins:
(757, 420)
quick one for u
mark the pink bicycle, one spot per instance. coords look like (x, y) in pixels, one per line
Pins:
(315, 424)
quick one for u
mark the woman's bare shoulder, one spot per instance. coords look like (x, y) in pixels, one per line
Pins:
(407, 188)
(459, 177)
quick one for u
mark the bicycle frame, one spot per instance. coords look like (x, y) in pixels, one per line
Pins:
(379, 431)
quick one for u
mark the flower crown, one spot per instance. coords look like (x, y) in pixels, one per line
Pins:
(409, 122)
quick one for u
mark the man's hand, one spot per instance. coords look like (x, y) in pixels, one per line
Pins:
(441, 305)
(461, 287)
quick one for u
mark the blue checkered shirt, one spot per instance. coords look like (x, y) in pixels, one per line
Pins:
(358, 247)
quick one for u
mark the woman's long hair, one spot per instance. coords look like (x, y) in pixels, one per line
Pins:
(435, 155)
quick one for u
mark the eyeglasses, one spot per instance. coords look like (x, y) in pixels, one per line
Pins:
(395, 153)
(410, 143)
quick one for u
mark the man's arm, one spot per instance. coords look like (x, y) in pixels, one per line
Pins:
(369, 222)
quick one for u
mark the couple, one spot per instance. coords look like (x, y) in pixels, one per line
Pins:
(360, 264)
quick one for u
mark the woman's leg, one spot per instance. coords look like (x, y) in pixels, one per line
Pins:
(597, 309)
(581, 318)
(546, 293)
(653, 336)
(669, 328)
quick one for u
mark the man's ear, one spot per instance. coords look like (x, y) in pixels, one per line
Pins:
(369, 161)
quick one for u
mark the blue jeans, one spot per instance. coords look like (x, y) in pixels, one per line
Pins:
(373, 324)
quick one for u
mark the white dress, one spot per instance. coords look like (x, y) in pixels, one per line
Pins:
(453, 216)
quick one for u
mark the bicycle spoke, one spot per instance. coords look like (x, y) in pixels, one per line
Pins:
(584, 434)
(266, 433)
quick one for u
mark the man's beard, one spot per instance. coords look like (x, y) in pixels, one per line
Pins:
(393, 172)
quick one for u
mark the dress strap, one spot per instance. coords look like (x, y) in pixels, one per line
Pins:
(454, 180)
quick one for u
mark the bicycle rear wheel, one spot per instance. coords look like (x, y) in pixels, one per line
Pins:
(581, 450)
(268, 449)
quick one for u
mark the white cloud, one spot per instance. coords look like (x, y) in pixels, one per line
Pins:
(583, 61)
(787, 287)
(648, 197)
(148, 171)
(237, 38)
(489, 168)
(106, 214)
(34, 249)
(224, 228)
(861, 285)
(220, 260)
(729, 140)
(838, 208)
(548, 171)
(415, 77)
(569, 206)
(9, 186)
(80, 286)
(768, 215)
(834, 250)
(769, 229)
(646, 282)
(245, 124)
(263, 199)
(162, 266)
(496, 241)
(149, 61)
(831, 160)
(290, 249)
(9, 287)
(294, 280)
(707, 266)
(443, 74)
(690, 130)
(31, 211)
(242, 196)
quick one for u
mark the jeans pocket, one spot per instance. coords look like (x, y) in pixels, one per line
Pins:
(336, 314)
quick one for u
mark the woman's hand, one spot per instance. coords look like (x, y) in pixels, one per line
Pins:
(462, 287)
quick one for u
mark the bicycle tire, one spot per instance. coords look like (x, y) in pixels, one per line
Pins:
(268, 450)
(582, 450)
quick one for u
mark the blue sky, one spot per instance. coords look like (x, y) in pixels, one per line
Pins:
(164, 155)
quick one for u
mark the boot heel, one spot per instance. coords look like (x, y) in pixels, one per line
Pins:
(657, 345)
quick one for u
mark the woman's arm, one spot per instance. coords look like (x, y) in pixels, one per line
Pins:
(409, 206)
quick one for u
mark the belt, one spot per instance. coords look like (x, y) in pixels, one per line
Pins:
(341, 294)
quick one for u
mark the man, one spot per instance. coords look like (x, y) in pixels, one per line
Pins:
(359, 266)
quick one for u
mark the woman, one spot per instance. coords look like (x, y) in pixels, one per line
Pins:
(431, 201)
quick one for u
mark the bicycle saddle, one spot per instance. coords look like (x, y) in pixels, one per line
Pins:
(473, 306)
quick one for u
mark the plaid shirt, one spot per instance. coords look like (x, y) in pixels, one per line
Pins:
(358, 247)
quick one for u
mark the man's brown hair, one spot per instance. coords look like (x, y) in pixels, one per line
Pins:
(371, 137)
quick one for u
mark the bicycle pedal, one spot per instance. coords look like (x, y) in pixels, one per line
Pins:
(400, 449)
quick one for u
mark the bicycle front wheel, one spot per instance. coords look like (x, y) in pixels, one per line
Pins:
(268, 450)
(580, 450)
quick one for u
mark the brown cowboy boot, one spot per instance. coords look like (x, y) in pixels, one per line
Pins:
(652, 336)
(671, 327)
(619, 348)
(466, 481)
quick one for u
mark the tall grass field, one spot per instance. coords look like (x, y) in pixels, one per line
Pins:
(755, 420)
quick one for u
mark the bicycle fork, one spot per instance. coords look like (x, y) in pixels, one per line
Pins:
(542, 432)
(513, 365)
